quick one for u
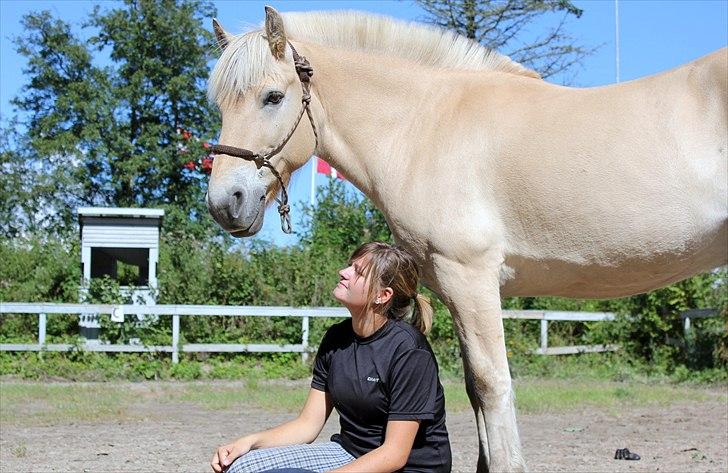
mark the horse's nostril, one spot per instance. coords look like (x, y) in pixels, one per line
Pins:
(236, 204)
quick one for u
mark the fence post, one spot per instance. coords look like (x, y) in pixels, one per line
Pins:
(544, 335)
(41, 330)
(304, 341)
(175, 338)
(41, 333)
(686, 328)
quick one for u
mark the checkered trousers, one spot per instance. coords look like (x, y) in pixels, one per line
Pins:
(317, 457)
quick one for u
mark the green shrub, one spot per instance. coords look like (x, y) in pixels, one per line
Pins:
(226, 272)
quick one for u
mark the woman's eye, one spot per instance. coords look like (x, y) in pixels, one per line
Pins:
(274, 98)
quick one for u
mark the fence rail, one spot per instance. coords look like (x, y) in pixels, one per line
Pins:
(305, 313)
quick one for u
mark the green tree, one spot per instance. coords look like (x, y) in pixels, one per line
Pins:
(41, 176)
(15, 183)
(342, 220)
(503, 25)
(108, 132)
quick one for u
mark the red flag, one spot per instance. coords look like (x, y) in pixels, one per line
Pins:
(325, 168)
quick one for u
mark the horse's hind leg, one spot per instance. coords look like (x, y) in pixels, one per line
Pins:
(472, 294)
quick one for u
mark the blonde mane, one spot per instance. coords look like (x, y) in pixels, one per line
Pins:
(417, 42)
(246, 61)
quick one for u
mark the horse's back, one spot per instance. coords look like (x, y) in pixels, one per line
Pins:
(713, 73)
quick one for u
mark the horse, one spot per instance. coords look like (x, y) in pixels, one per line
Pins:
(500, 184)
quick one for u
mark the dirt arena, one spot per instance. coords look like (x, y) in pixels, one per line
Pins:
(153, 435)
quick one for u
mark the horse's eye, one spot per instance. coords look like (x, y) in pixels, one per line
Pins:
(274, 98)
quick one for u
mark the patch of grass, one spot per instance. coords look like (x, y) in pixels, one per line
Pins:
(539, 396)
(44, 403)
(47, 404)
(90, 366)
(612, 366)
(289, 397)
(53, 403)
(20, 451)
(548, 396)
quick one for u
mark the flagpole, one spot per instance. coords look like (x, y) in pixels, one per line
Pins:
(616, 37)
(314, 163)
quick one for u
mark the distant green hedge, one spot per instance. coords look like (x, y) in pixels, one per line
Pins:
(222, 271)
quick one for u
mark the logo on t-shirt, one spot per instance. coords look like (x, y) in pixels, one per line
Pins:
(372, 379)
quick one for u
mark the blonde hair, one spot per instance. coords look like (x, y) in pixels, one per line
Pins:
(386, 265)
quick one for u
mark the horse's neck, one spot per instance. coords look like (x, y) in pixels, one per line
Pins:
(366, 111)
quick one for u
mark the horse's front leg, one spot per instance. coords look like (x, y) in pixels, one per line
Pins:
(472, 294)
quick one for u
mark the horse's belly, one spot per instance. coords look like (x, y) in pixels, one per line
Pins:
(597, 279)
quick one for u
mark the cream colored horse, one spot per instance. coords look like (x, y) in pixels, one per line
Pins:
(500, 183)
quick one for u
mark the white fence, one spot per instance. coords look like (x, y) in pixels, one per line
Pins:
(305, 313)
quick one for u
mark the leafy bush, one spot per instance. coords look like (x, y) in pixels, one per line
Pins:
(40, 269)
(220, 271)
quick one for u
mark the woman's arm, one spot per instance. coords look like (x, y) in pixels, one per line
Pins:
(303, 429)
(393, 453)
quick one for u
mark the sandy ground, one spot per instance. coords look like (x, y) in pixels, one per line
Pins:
(180, 437)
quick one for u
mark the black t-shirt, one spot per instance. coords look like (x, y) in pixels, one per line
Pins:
(389, 375)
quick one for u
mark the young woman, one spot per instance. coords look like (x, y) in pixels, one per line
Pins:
(380, 374)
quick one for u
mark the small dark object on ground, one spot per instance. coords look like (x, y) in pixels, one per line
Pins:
(625, 454)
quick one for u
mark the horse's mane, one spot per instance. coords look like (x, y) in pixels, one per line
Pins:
(246, 59)
(424, 44)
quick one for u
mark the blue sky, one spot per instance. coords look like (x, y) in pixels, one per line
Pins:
(655, 35)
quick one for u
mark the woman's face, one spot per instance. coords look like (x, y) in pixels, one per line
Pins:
(353, 288)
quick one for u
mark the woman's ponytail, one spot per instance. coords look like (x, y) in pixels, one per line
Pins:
(422, 314)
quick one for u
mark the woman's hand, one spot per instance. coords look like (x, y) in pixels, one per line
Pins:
(226, 455)
(304, 429)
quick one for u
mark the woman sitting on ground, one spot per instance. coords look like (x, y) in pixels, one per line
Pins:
(380, 374)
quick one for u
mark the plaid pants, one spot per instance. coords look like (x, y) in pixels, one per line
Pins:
(317, 457)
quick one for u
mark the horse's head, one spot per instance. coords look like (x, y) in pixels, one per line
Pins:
(258, 91)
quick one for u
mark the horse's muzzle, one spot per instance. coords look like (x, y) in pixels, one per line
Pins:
(236, 210)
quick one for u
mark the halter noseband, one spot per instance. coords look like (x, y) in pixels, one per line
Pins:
(304, 71)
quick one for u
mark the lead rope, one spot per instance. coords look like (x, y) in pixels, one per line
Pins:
(305, 71)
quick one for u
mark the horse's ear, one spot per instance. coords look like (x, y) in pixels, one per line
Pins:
(275, 32)
(222, 36)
